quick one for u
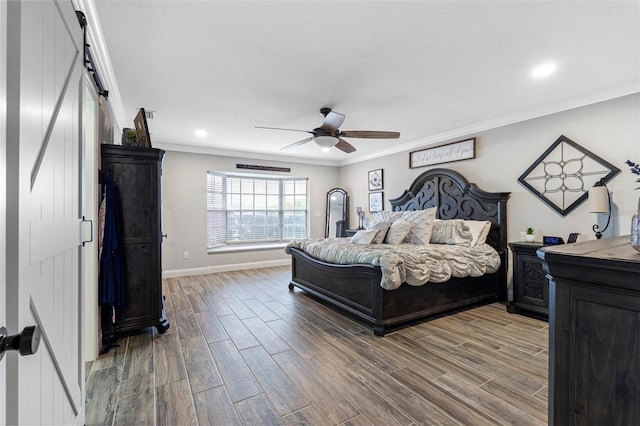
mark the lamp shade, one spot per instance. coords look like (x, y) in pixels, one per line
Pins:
(598, 199)
(326, 141)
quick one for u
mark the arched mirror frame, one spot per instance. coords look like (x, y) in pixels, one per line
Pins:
(335, 212)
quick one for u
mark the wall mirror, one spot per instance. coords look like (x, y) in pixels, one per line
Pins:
(337, 207)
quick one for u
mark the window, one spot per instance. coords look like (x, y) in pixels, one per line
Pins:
(245, 209)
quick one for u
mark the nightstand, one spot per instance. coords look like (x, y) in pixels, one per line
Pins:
(350, 232)
(530, 284)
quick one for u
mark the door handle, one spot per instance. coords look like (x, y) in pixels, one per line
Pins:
(91, 227)
(26, 342)
(164, 236)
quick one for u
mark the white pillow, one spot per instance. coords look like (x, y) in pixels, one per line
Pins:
(364, 236)
(388, 216)
(479, 230)
(398, 232)
(382, 227)
(452, 231)
(421, 225)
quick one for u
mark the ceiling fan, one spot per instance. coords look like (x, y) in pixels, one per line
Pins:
(329, 134)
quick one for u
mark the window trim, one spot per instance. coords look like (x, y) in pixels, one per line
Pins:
(249, 245)
(237, 248)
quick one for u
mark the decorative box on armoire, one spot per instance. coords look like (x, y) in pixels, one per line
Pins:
(136, 173)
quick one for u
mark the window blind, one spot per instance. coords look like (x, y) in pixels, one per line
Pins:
(248, 209)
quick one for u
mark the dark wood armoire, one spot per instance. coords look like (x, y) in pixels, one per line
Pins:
(137, 174)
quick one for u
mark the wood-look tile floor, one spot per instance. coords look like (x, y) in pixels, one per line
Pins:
(243, 349)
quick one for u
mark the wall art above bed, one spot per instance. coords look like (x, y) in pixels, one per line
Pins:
(375, 180)
(563, 174)
(375, 202)
(454, 151)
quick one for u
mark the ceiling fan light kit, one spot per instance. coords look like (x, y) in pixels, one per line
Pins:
(329, 135)
(326, 141)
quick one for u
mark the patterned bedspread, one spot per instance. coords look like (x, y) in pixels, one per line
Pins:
(410, 263)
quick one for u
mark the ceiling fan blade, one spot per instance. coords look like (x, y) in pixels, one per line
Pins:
(333, 120)
(293, 145)
(345, 146)
(370, 134)
(279, 128)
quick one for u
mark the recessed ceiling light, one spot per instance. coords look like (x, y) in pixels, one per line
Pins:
(201, 133)
(544, 70)
(326, 149)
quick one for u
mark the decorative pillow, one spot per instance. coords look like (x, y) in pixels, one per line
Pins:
(383, 228)
(388, 216)
(421, 225)
(450, 232)
(364, 236)
(398, 232)
(479, 230)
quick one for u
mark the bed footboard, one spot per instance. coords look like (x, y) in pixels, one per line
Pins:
(356, 289)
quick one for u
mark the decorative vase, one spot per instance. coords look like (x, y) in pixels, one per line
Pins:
(529, 238)
(635, 229)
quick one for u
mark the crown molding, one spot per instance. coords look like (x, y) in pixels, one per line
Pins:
(517, 117)
(239, 154)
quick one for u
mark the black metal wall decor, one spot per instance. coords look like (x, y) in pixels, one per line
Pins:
(563, 174)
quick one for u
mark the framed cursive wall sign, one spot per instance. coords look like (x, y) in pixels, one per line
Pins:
(454, 151)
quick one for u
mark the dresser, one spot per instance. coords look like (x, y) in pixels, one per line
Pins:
(137, 176)
(530, 284)
(594, 332)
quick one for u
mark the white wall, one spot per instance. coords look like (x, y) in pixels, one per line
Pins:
(609, 129)
(184, 212)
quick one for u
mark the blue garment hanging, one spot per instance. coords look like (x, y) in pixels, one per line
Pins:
(111, 285)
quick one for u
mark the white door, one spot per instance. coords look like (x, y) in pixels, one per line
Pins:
(43, 233)
(3, 187)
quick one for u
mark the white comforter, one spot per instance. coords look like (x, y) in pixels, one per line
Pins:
(410, 263)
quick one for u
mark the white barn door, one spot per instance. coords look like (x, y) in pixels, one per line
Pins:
(3, 189)
(43, 236)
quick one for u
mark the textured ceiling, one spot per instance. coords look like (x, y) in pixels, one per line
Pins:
(431, 70)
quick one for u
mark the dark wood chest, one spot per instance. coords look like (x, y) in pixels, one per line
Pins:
(594, 332)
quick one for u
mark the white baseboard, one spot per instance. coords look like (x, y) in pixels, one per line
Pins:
(174, 273)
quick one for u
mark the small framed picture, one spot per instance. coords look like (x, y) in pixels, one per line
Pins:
(375, 202)
(573, 237)
(375, 180)
(142, 130)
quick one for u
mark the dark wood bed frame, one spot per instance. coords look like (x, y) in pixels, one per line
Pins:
(356, 288)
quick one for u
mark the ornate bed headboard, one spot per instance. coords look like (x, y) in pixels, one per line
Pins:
(456, 198)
